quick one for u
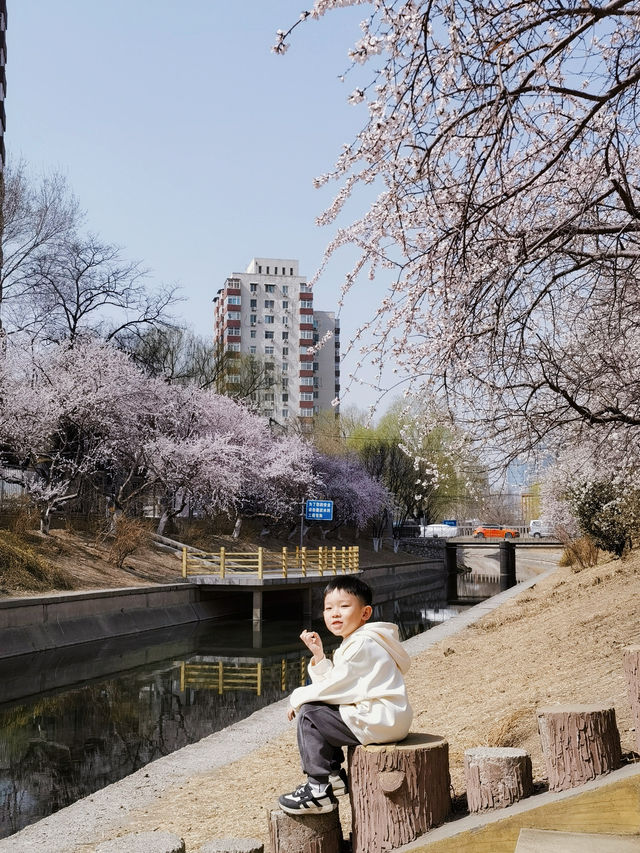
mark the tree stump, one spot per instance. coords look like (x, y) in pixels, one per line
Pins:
(496, 777)
(579, 742)
(398, 791)
(631, 663)
(319, 833)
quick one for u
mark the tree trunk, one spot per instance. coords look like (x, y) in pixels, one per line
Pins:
(631, 663)
(237, 527)
(320, 833)
(398, 791)
(579, 742)
(45, 521)
(164, 519)
(496, 777)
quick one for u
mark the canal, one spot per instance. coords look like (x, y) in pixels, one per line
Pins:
(77, 719)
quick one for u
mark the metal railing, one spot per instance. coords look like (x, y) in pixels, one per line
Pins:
(223, 676)
(263, 563)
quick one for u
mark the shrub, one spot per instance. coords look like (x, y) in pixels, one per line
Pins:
(127, 535)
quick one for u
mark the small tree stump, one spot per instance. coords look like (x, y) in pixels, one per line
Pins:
(398, 791)
(496, 777)
(579, 742)
(319, 833)
(631, 663)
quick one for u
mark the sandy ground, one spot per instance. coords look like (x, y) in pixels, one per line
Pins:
(560, 641)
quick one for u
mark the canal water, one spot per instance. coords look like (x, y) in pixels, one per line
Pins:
(75, 720)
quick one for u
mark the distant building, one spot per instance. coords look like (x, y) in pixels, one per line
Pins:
(267, 313)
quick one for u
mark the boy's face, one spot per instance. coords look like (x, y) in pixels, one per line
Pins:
(344, 612)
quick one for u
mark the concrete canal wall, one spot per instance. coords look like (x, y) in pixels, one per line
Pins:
(54, 621)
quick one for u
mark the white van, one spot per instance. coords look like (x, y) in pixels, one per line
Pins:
(538, 528)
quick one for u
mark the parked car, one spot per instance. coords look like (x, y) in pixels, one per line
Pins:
(538, 528)
(494, 531)
(438, 530)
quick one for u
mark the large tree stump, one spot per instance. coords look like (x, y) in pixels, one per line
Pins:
(398, 791)
(319, 833)
(631, 663)
(496, 777)
(579, 742)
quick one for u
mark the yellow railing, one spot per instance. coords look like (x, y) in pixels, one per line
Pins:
(223, 676)
(301, 561)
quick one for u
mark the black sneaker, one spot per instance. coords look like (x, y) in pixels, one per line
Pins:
(339, 783)
(304, 801)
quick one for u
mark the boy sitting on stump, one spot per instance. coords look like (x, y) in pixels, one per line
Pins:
(360, 698)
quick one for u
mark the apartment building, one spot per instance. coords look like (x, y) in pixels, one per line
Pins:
(266, 317)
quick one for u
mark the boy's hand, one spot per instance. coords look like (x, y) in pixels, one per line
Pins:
(290, 714)
(313, 642)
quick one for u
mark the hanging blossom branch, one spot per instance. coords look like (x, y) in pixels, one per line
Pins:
(505, 142)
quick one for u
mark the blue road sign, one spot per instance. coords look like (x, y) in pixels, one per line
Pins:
(319, 510)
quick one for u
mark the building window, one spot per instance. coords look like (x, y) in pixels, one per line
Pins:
(269, 366)
(285, 289)
(285, 304)
(252, 350)
(233, 315)
(285, 398)
(268, 398)
(253, 287)
(306, 397)
(315, 395)
(285, 351)
(285, 367)
(306, 303)
(268, 350)
(269, 303)
(253, 303)
(316, 365)
(285, 413)
(270, 288)
(260, 269)
(235, 347)
(253, 319)
(306, 380)
(285, 336)
(233, 300)
(267, 270)
(268, 336)
(285, 383)
(269, 319)
(253, 333)
(233, 378)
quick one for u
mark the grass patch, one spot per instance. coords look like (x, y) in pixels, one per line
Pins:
(22, 569)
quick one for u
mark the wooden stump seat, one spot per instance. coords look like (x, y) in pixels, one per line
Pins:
(631, 664)
(579, 742)
(398, 791)
(496, 777)
(319, 833)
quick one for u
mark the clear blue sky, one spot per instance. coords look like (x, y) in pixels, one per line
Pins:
(187, 141)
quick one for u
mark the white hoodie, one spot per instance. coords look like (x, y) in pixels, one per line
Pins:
(365, 680)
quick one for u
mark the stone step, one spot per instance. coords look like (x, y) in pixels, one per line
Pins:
(546, 841)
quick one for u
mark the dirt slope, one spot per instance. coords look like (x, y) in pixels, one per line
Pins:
(559, 641)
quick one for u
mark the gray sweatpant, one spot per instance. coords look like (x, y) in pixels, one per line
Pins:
(321, 735)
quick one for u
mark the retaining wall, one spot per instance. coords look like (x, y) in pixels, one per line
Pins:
(48, 622)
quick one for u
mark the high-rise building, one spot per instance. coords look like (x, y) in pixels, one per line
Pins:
(265, 318)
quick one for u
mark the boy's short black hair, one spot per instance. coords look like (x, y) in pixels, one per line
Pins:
(352, 584)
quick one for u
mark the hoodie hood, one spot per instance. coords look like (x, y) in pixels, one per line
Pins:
(386, 634)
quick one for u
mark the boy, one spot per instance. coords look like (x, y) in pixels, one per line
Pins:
(360, 698)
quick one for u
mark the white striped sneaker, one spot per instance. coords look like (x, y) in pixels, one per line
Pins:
(303, 801)
(339, 783)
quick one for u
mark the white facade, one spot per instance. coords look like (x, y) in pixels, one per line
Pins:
(268, 312)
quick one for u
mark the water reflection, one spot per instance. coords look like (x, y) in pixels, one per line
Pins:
(73, 721)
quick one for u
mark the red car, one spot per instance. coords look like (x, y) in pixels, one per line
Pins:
(493, 531)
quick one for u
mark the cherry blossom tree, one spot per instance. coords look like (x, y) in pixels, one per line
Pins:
(503, 141)
(358, 497)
